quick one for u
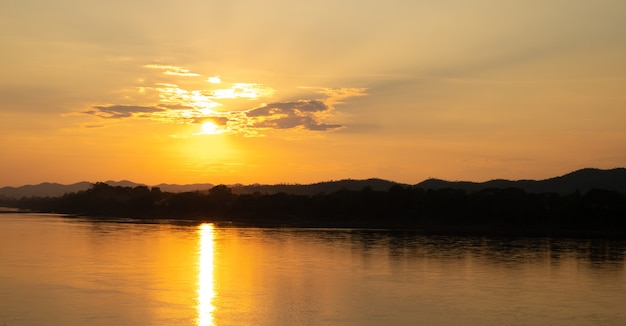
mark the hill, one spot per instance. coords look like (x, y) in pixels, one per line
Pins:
(184, 188)
(315, 188)
(56, 190)
(582, 180)
(550, 207)
(45, 189)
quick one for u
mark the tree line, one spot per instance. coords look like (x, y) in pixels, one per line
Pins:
(506, 211)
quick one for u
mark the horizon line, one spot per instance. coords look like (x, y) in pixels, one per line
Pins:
(297, 184)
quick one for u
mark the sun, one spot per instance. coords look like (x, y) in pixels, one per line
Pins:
(209, 127)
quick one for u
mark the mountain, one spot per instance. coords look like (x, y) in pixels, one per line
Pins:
(184, 188)
(316, 188)
(48, 189)
(123, 183)
(581, 180)
(45, 189)
(55, 189)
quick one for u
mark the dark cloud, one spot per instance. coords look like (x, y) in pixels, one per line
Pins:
(176, 106)
(93, 126)
(288, 108)
(120, 111)
(305, 114)
(279, 123)
(220, 121)
(286, 115)
(322, 127)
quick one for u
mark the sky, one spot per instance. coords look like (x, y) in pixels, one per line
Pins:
(242, 91)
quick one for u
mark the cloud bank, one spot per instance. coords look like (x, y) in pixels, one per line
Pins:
(285, 115)
(170, 103)
(121, 111)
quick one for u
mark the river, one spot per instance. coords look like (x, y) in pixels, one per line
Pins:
(57, 270)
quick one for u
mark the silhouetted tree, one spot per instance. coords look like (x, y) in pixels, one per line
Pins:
(509, 210)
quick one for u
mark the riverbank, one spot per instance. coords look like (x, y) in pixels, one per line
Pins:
(494, 212)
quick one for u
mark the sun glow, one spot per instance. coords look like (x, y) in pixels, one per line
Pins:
(206, 286)
(209, 127)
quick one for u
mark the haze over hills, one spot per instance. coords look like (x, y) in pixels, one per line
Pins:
(581, 180)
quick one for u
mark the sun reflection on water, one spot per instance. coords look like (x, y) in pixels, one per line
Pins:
(206, 289)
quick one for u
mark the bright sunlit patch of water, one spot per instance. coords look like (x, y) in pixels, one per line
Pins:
(206, 288)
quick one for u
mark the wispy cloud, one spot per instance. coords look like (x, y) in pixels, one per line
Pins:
(121, 111)
(171, 94)
(173, 70)
(337, 95)
(243, 90)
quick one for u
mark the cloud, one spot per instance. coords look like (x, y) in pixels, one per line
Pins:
(286, 115)
(91, 126)
(322, 127)
(176, 106)
(305, 114)
(121, 111)
(335, 95)
(214, 80)
(288, 108)
(243, 90)
(167, 102)
(173, 70)
(171, 94)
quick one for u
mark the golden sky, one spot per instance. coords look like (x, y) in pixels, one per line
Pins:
(194, 91)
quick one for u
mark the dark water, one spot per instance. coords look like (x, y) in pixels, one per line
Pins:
(61, 271)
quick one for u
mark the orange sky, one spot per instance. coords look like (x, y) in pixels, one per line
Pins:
(197, 91)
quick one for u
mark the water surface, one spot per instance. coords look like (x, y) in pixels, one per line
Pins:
(75, 271)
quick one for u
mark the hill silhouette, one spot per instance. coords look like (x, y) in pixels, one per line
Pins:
(581, 180)
(45, 189)
(56, 190)
(315, 188)
(594, 208)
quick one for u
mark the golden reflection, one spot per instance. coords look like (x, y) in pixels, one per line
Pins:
(206, 288)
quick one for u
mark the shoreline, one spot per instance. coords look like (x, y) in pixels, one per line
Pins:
(423, 230)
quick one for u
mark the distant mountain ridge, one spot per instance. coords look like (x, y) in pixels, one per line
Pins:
(48, 189)
(45, 189)
(54, 189)
(582, 180)
(316, 188)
